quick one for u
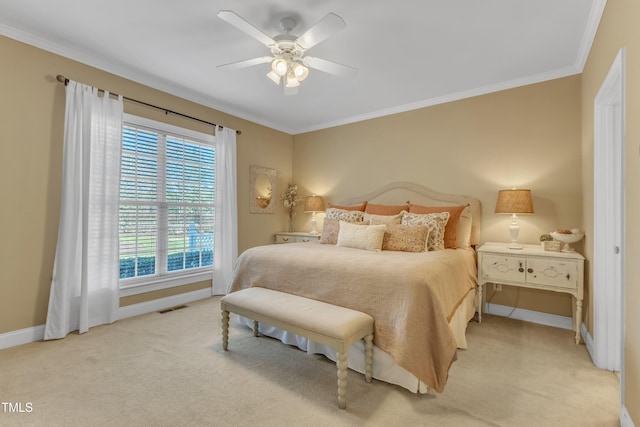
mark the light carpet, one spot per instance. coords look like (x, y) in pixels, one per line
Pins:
(169, 370)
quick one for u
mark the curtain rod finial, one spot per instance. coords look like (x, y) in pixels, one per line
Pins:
(62, 79)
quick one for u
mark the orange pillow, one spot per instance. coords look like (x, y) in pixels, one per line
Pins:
(451, 229)
(385, 209)
(359, 207)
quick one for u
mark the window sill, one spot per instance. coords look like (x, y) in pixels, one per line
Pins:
(164, 283)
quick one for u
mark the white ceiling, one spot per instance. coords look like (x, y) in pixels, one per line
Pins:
(410, 53)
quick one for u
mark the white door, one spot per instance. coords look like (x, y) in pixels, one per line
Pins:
(608, 240)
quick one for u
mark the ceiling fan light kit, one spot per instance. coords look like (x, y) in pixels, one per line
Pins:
(288, 63)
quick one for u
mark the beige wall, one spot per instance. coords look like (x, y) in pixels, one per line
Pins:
(618, 28)
(527, 137)
(32, 114)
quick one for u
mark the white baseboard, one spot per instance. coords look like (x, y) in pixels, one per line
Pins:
(36, 333)
(21, 336)
(162, 303)
(547, 319)
(625, 418)
(588, 340)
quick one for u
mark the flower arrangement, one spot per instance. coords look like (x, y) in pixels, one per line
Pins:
(290, 199)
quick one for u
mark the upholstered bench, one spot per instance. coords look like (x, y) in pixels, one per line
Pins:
(337, 327)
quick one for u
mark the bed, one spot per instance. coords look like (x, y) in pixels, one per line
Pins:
(421, 301)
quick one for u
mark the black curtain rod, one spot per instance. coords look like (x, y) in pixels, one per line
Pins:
(63, 79)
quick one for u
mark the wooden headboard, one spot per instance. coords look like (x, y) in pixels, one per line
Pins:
(396, 193)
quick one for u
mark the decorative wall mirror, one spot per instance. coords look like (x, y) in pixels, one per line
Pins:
(262, 186)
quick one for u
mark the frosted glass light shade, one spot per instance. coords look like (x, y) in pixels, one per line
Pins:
(279, 66)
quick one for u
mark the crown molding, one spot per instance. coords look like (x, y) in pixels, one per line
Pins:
(593, 21)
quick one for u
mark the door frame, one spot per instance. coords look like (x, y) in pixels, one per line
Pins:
(609, 220)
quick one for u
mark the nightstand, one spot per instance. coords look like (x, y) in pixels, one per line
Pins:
(297, 236)
(533, 267)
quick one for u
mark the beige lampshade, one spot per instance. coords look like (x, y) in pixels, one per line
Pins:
(313, 204)
(514, 202)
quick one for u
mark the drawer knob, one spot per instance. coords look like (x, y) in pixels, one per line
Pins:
(530, 270)
(521, 269)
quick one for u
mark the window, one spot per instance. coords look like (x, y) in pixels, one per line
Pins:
(166, 217)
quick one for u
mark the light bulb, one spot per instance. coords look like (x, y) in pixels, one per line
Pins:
(301, 72)
(279, 66)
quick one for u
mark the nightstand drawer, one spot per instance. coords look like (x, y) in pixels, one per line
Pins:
(503, 268)
(297, 237)
(285, 238)
(559, 273)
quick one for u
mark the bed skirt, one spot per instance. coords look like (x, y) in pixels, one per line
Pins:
(384, 366)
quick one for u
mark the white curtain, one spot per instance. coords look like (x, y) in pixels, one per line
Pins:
(84, 288)
(225, 244)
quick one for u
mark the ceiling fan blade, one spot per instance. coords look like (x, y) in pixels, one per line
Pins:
(246, 63)
(244, 25)
(326, 27)
(330, 67)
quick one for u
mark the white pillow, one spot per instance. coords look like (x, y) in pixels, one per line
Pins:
(383, 219)
(368, 237)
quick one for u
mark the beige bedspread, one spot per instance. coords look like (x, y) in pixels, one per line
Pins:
(411, 296)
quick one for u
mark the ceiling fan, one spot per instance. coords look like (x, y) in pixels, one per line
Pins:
(288, 62)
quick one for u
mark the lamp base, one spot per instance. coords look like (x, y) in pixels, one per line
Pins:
(514, 229)
(314, 230)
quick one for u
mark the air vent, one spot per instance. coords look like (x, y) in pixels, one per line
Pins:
(177, 307)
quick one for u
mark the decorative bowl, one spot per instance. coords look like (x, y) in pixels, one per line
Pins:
(567, 239)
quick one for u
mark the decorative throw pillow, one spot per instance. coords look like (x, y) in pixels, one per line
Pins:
(385, 209)
(368, 237)
(451, 229)
(344, 215)
(463, 237)
(405, 238)
(436, 223)
(359, 207)
(330, 229)
(383, 219)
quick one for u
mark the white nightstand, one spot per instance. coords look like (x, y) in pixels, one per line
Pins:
(297, 236)
(533, 267)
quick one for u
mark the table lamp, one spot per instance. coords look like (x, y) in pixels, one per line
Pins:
(313, 204)
(514, 202)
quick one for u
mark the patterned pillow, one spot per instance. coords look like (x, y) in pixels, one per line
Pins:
(383, 219)
(330, 230)
(368, 237)
(405, 238)
(436, 223)
(344, 215)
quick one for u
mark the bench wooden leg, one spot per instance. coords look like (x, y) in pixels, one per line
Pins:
(225, 330)
(341, 363)
(256, 326)
(368, 357)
